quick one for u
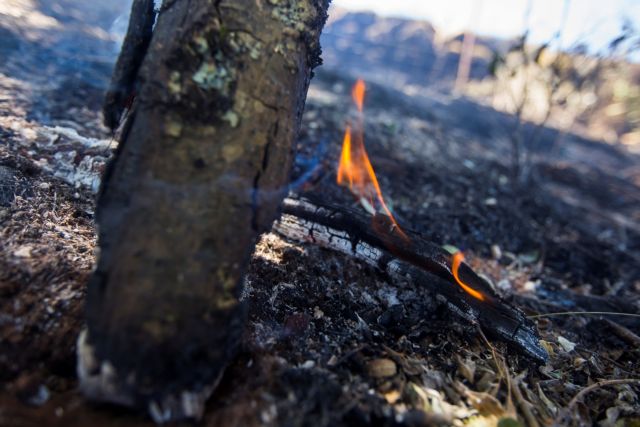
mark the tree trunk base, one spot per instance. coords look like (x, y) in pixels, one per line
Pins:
(100, 381)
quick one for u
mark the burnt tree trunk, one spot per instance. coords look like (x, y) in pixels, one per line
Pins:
(201, 170)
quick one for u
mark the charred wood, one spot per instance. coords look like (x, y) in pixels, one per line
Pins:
(407, 254)
(134, 47)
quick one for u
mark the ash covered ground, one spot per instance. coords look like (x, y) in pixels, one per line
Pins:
(329, 341)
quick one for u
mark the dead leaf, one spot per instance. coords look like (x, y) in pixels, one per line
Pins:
(566, 345)
(547, 346)
(484, 403)
(486, 382)
(613, 414)
(578, 362)
(467, 368)
(552, 407)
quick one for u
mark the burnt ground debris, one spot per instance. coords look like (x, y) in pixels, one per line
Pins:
(331, 341)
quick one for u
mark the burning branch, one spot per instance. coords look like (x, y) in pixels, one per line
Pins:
(401, 253)
(457, 259)
(382, 246)
(356, 169)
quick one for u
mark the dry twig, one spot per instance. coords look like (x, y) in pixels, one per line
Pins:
(582, 313)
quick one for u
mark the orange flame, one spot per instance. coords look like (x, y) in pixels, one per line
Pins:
(345, 168)
(355, 167)
(358, 93)
(356, 170)
(458, 257)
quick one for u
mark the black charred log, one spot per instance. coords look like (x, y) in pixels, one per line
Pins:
(406, 253)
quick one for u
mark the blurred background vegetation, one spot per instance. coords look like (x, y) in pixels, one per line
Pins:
(564, 79)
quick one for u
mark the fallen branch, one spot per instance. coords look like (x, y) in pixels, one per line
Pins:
(582, 313)
(624, 333)
(125, 73)
(378, 242)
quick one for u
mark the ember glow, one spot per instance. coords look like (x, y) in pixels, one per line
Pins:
(355, 169)
(457, 259)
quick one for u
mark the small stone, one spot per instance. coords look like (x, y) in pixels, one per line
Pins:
(232, 118)
(530, 286)
(174, 85)
(29, 134)
(40, 397)
(308, 364)
(504, 285)
(31, 391)
(381, 368)
(333, 360)
(317, 313)
(491, 201)
(496, 252)
(23, 252)
(44, 186)
(173, 129)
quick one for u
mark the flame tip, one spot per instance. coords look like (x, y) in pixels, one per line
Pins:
(356, 168)
(358, 91)
(456, 261)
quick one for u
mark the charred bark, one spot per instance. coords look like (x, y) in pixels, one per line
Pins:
(406, 254)
(200, 172)
(134, 47)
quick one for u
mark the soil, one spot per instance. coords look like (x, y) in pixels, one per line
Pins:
(331, 341)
